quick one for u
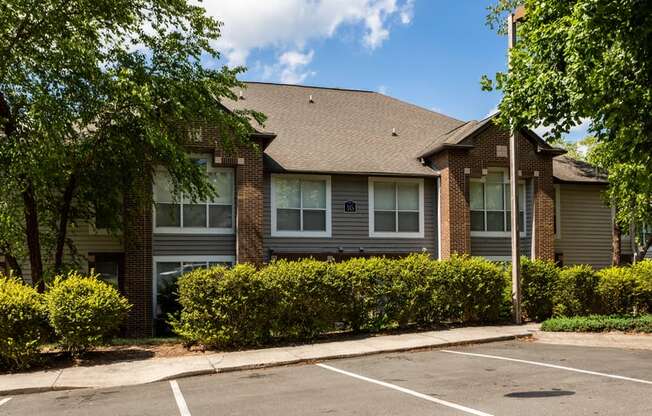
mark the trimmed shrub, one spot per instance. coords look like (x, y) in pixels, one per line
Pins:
(84, 311)
(23, 324)
(599, 323)
(576, 292)
(538, 285)
(420, 282)
(371, 296)
(472, 289)
(303, 299)
(306, 297)
(643, 272)
(223, 307)
(617, 290)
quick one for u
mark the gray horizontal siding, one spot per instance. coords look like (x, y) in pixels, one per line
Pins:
(585, 226)
(193, 245)
(502, 246)
(350, 231)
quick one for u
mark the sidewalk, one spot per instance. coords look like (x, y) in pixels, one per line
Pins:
(159, 369)
(602, 339)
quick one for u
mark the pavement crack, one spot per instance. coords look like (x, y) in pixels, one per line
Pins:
(54, 383)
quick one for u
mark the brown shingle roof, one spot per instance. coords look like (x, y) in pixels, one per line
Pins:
(566, 169)
(458, 138)
(343, 131)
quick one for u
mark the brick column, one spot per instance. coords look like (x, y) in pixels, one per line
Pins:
(138, 261)
(544, 207)
(455, 215)
(249, 209)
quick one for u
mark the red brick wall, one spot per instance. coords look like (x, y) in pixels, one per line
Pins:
(455, 214)
(137, 276)
(247, 162)
(455, 197)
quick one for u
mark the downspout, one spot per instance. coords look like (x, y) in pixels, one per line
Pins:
(438, 217)
(533, 242)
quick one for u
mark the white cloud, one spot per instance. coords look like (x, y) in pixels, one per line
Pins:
(288, 25)
(382, 89)
(407, 12)
(292, 66)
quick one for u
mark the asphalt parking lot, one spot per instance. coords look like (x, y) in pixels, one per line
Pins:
(508, 378)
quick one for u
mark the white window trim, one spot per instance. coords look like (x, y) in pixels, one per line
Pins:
(180, 259)
(557, 212)
(200, 230)
(397, 234)
(275, 232)
(523, 232)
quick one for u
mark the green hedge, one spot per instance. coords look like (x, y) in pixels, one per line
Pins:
(84, 311)
(538, 285)
(23, 324)
(599, 323)
(303, 299)
(581, 290)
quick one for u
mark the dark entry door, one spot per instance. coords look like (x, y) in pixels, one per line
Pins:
(109, 266)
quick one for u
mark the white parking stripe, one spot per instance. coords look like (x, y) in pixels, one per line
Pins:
(407, 391)
(181, 402)
(3, 401)
(559, 367)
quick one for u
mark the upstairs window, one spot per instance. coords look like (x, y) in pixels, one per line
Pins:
(180, 214)
(490, 205)
(396, 207)
(301, 206)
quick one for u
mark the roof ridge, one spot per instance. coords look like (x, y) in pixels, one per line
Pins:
(280, 84)
(435, 140)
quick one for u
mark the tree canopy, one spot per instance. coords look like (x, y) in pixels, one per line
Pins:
(93, 95)
(586, 59)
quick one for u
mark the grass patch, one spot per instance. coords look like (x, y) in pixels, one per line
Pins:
(599, 323)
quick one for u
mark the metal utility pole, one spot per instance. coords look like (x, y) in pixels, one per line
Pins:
(513, 186)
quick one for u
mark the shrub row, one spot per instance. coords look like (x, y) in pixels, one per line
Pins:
(581, 290)
(302, 299)
(78, 311)
(599, 323)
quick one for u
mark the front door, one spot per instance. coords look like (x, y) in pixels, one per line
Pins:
(109, 267)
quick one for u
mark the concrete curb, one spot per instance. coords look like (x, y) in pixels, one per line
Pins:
(364, 354)
(217, 366)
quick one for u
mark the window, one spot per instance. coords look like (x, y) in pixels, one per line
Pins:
(177, 213)
(396, 207)
(557, 215)
(490, 205)
(167, 270)
(301, 206)
(644, 233)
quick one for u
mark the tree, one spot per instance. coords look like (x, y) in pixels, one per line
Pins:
(578, 150)
(93, 95)
(630, 193)
(586, 59)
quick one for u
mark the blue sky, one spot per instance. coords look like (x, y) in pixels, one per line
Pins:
(428, 52)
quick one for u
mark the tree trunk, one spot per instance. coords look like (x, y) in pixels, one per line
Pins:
(616, 244)
(14, 266)
(643, 251)
(63, 222)
(33, 237)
